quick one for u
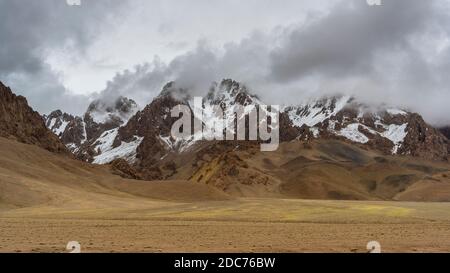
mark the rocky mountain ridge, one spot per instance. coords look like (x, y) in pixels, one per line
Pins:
(145, 140)
(20, 122)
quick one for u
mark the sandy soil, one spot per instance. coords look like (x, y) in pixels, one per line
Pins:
(253, 225)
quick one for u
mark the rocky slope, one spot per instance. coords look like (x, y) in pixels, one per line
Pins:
(70, 129)
(391, 131)
(320, 169)
(445, 131)
(20, 122)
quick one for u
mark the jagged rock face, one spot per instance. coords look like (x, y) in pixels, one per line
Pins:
(154, 124)
(70, 129)
(424, 141)
(152, 128)
(55, 121)
(75, 133)
(445, 131)
(391, 131)
(19, 121)
(86, 136)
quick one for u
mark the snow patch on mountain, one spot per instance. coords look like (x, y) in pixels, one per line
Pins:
(126, 150)
(218, 112)
(168, 141)
(72, 147)
(315, 112)
(315, 131)
(57, 122)
(59, 130)
(396, 134)
(106, 140)
(352, 133)
(84, 139)
(52, 123)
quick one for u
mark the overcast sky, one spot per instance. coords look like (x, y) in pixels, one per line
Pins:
(62, 56)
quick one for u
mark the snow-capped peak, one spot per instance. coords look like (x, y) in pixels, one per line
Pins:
(57, 121)
(314, 112)
(345, 117)
(229, 93)
(120, 110)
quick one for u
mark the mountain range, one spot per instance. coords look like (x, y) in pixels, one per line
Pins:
(106, 132)
(331, 148)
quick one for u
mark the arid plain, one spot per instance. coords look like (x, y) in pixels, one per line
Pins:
(47, 200)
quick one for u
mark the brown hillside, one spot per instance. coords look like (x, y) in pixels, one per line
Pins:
(19, 121)
(33, 177)
(324, 169)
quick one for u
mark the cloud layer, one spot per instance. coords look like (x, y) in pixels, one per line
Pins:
(396, 54)
(30, 31)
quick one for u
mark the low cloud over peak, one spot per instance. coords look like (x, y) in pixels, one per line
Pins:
(397, 54)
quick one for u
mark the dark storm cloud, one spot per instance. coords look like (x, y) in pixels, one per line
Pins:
(388, 54)
(29, 29)
(393, 54)
(45, 93)
(195, 70)
(397, 53)
(141, 83)
(348, 39)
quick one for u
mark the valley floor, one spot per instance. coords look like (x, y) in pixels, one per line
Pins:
(47, 200)
(245, 225)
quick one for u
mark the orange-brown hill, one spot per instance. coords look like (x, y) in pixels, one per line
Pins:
(323, 169)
